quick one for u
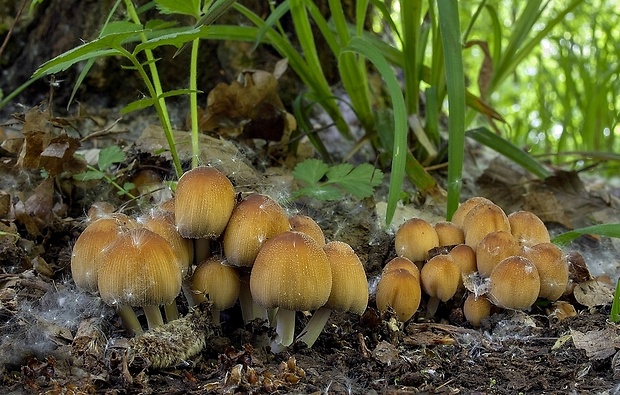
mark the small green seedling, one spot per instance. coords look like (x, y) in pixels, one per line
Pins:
(107, 157)
(614, 316)
(323, 182)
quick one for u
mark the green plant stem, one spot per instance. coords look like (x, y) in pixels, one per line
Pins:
(111, 181)
(155, 90)
(193, 101)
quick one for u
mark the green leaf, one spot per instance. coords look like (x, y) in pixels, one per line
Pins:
(138, 105)
(608, 230)
(339, 172)
(614, 315)
(361, 181)
(310, 171)
(89, 175)
(184, 7)
(324, 193)
(176, 37)
(109, 156)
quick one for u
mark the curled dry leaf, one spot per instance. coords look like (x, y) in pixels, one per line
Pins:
(598, 344)
(593, 293)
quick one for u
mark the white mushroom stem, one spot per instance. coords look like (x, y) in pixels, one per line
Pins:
(130, 320)
(153, 316)
(246, 302)
(432, 306)
(285, 327)
(315, 326)
(171, 310)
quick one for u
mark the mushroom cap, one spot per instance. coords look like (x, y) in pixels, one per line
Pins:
(552, 267)
(349, 283)
(307, 225)
(493, 248)
(399, 289)
(163, 225)
(475, 309)
(515, 283)
(139, 269)
(94, 239)
(440, 277)
(481, 220)
(255, 219)
(292, 272)
(465, 257)
(449, 234)
(528, 229)
(204, 201)
(217, 282)
(464, 208)
(414, 238)
(401, 262)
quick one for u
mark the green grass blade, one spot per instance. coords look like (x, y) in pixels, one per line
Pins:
(449, 26)
(607, 230)
(504, 147)
(614, 315)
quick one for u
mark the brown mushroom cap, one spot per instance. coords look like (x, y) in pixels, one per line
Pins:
(139, 269)
(217, 282)
(515, 283)
(402, 263)
(307, 225)
(203, 202)
(527, 228)
(552, 267)
(440, 277)
(476, 309)
(87, 250)
(482, 220)
(415, 238)
(292, 272)
(493, 248)
(464, 208)
(465, 257)
(349, 284)
(399, 289)
(255, 219)
(449, 234)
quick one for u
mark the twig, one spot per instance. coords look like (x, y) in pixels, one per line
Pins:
(10, 32)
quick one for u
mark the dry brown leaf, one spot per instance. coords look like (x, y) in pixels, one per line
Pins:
(593, 293)
(385, 353)
(36, 212)
(598, 344)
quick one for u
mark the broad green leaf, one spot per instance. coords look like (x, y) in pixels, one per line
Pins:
(184, 7)
(109, 156)
(608, 230)
(89, 175)
(324, 192)
(361, 181)
(310, 171)
(177, 37)
(339, 172)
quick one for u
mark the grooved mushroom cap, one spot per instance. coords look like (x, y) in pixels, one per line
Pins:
(449, 234)
(402, 263)
(515, 283)
(399, 289)
(307, 225)
(482, 220)
(415, 238)
(255, 219)
(203, 203)
(527, 228)
(349, 284)
(464, 208)
(440, 277)
(552, 268)
(475, 309)
(292, 272)
(493, 248)
(87, 250)
(215, 281)
(139, 269)
(465, 257)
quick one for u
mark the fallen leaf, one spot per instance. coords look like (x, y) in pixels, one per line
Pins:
(593, 293)
(385, 353)
(598, 344)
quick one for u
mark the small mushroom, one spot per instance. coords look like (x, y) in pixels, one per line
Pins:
(402, 263)
(552, 268)
(217, 282)
(482, 220)
(465, 258)
(464, 208)
(449, 234)
(415, 238)
(400, 290)
(440, 278)
(475, 309)
(527, 228)
(307, 225)
(515, 283)
(493, 248)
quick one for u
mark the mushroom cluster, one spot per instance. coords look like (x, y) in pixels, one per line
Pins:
(511, 257)
(221, 250)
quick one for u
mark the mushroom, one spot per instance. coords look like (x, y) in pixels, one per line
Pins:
(552, 267)
(493, 248)
(139, 269)
(349, 290)
(465, 257)
(464, 208)
(440, 278)
(415, 238)
(292, 273)
(307, 225)
(399, 289)
(449, 234)
(482, 220)
(476, 308)
(527, 228)
(515, 283)
(86, 253)
(204, 201)
(217, 282)
(402, 263)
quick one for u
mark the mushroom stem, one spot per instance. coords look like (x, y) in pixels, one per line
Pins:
(432, 306)
(130, 320)
(315, 326)
(171, 310)
(215, 316)
(187, 292)
(285, 327)
(245, 301)
(153, 316)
